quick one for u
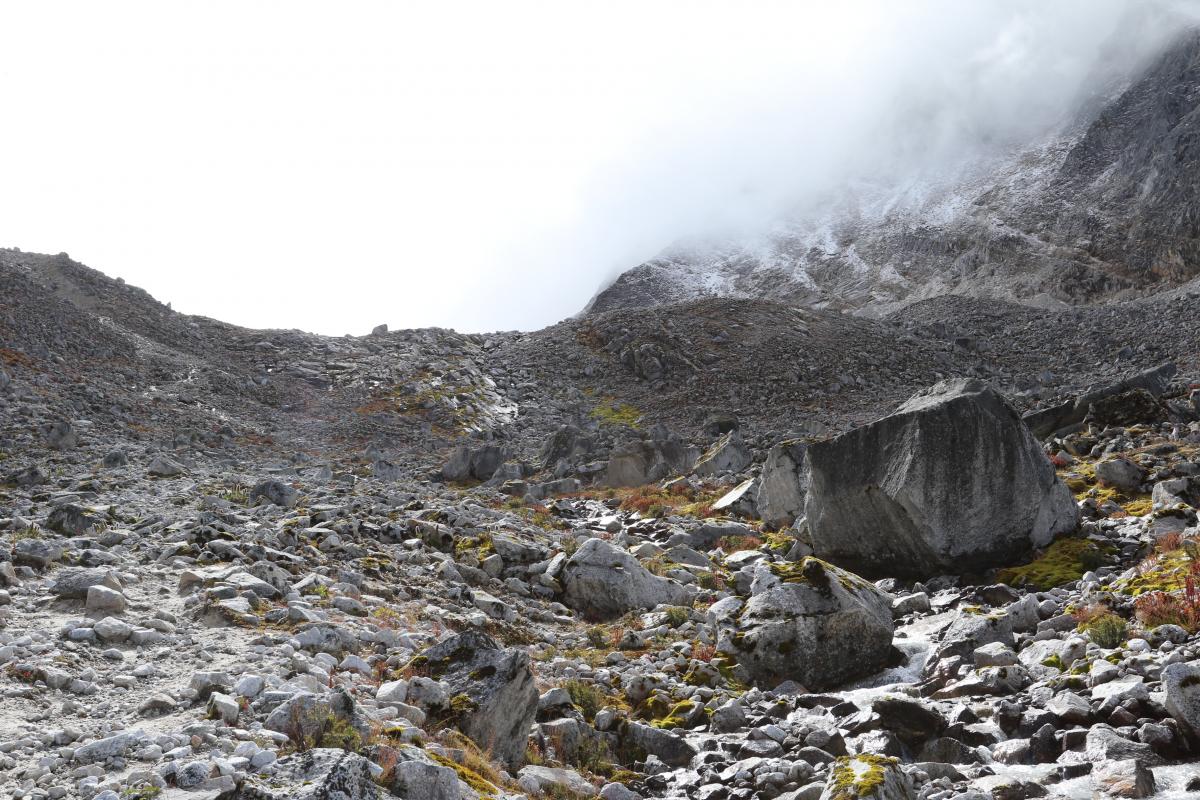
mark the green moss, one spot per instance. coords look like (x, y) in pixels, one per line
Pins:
(1166, 573)
(849, 783)
(1063, 562)
(817, 573)
(1054, 662)
(470, 777)
(677, 716)
(609, 412)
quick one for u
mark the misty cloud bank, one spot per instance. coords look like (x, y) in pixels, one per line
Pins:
(491, 166)
(908, 91)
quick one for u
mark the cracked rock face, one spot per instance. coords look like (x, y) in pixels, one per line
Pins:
(952, 481)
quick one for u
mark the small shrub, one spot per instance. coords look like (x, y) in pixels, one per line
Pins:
(1106, 630)
(587, 697)
(677, 615)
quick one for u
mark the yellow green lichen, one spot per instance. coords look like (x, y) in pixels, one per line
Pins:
(859, 776)
(816, 573)
(1167, 572)
(609, 412)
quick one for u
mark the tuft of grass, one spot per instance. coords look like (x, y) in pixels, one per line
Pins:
(587, 697)
(1107, 630)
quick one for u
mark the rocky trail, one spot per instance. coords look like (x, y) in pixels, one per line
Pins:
(726, 550)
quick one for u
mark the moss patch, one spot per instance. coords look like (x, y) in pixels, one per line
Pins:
(1167, 572)
(1061, 563)
(859, 776)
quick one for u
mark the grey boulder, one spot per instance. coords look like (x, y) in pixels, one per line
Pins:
(318, 774)
(812, 623)
(494, 687)
(1182, 685)
(783, 484)
(952, 482)
(273, 491)
(601, 581)
(727, 454)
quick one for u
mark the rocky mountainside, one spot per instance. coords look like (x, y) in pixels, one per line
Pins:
(605, 558)
(1106, 208)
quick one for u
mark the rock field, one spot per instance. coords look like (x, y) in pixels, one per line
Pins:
(722, 550)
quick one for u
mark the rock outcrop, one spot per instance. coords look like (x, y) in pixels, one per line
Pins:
(951, 482)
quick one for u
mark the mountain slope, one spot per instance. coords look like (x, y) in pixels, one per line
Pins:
(1108, 208)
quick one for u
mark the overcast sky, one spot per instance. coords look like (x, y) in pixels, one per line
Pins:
(482, 165)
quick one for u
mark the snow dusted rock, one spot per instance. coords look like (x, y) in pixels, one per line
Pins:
(812, 623)
(601, 581)
(952, 481)
(492, 692)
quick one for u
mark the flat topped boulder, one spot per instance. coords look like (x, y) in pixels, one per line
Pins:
(952, 482)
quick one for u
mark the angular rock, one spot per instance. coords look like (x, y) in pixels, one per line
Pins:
(951, 482)
(867, 776)
(601, 581)
(276, 492)
(1129, 778)
(1182, 685)
(783, 484)
(492, 692)
(164, 467)
(317, 774)
(727, 454)
(814, 624)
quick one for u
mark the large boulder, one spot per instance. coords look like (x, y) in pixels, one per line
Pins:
(275, 492)
(951, 482)
(1044, 422)
(601, 581)
(657, 455)
(813, 623)
(1182, 685)
(492, 692)
(783, 484)
(474, 463)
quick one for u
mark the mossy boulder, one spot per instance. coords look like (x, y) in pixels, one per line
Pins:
(493, 699)
(863, 776)
(952, 482)
(812, 623)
